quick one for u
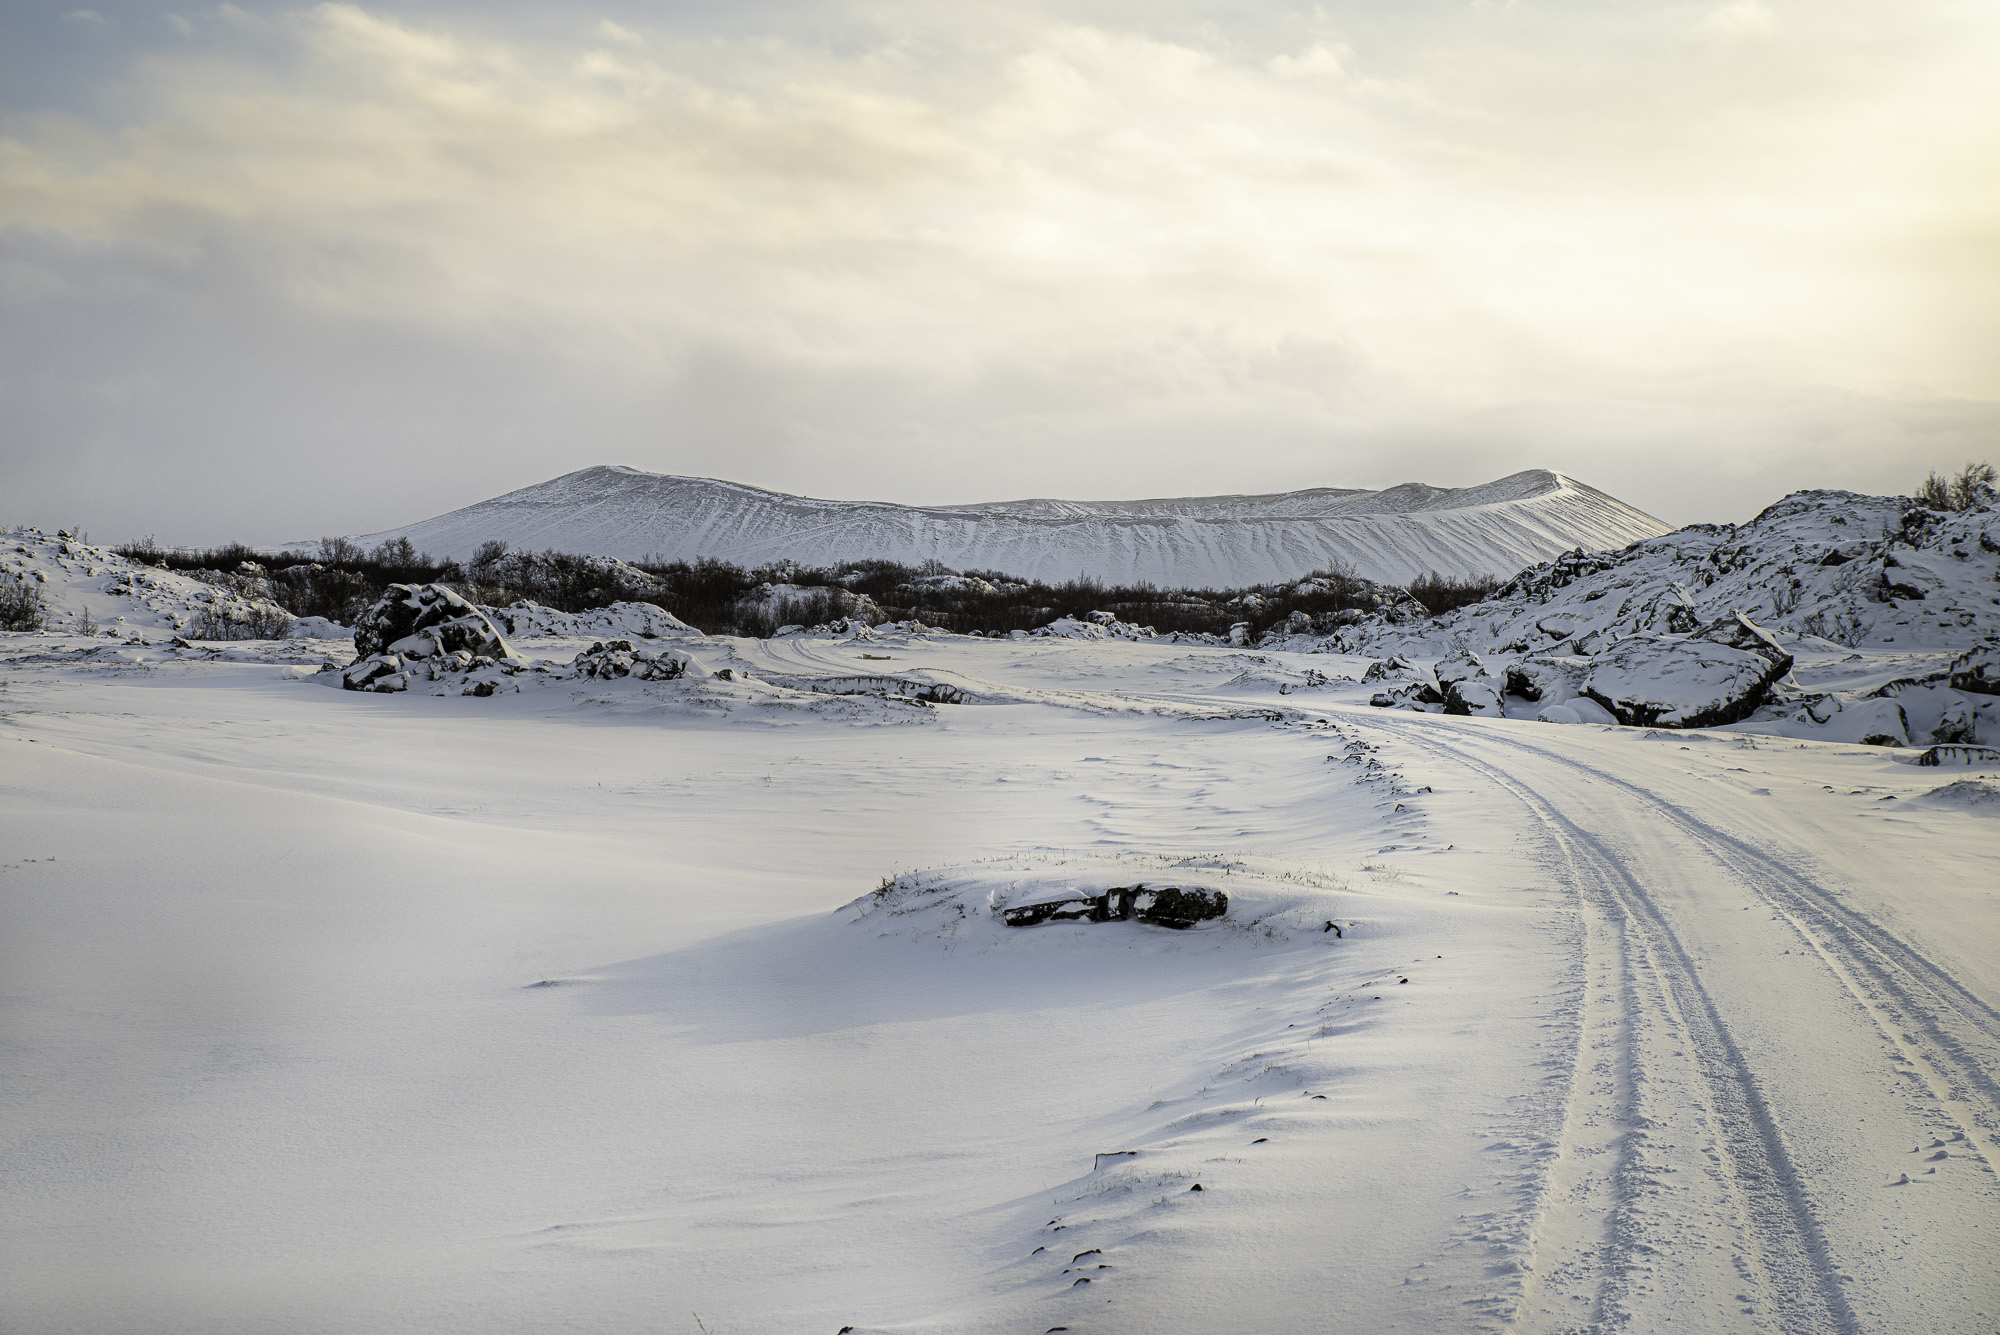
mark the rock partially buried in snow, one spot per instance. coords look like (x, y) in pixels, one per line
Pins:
(1577, 709)
(424, 631)
(1467, 687)
(1548, 678)
(1740, 632)
(1691, 683)
(1977, 670)
(424, 621)
(613, 659)
(1179, 907)
(643, 621)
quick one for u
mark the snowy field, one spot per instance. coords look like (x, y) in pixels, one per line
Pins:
(682, 1005)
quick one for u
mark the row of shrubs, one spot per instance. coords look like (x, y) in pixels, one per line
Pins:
(342, 578)
(1960, 491)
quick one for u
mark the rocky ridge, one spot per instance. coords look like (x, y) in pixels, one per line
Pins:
(1701, 627)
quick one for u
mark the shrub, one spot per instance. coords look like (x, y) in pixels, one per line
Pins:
(21, 606)
(240, 623)
(1959, 492)
(1444, 593)
(146, 551)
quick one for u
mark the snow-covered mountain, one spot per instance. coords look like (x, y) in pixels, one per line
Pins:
(1392, 536)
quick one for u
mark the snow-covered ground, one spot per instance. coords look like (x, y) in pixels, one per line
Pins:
(672, 1005)
(1391, 536)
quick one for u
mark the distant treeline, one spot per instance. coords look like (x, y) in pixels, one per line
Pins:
(341, 578)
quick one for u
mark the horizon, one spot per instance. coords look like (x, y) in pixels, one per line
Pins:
(279, 268)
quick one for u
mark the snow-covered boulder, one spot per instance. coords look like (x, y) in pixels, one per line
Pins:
(425, 621)
(809, 604)
(1977, 670)
(1405, 686)
(1393, 668)
(1094, 626)
(1680, 683)
(1740, 632)
(473, 674)
(1466, 685)
(315, 628)
(1577, 709)
(617, 658)
(1549, 679)
(643, 621)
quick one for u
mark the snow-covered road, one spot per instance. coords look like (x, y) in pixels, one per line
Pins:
(1755, 1049)
(1623, 1031)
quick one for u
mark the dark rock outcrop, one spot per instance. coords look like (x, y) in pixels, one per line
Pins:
(1977, 670)
(1178, 907)
(1692, 683)
(613, 659)
(1466, 685)
(423, 621)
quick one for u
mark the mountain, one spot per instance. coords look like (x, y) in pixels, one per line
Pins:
(1392, 536)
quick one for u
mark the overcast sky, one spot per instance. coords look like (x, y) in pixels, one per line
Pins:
(272, 271)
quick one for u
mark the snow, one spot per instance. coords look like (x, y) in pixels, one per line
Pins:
(1686, 630)
(122, 597)
(1858, 571)
(1391, 536)
(636, 620)
(618, 997)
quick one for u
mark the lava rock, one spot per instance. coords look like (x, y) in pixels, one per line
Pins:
(1691, 683)
(423, 621)
(1740, 632)
(1547, 678)
(1977, 670)
(1177, 907)
(1466, 685)
(1393, 668)
(611, 659)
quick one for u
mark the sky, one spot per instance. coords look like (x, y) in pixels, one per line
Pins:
(274, 271)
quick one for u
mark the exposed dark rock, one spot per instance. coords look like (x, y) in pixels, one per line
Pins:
(1740, 632)
(1171, 906)
(1466, 685)
(1162, 906)
(1547, 677)
(366, 674)
(1393, 668)
(612, 659)
(1054, 910)
(1977, 670)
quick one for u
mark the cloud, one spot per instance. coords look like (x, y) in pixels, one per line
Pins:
(997, 251)
(1737, 20)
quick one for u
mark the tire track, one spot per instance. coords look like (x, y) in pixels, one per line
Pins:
(1791, 1263)
(1896, 985)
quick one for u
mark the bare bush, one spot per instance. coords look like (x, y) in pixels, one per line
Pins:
(244, 622)
(1958, 492)
(146, 551)
(1444, 593)
(340, 551)
(21, 606)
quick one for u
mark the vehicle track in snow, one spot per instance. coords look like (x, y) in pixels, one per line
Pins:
(1665, 1128)
(1896, 984)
